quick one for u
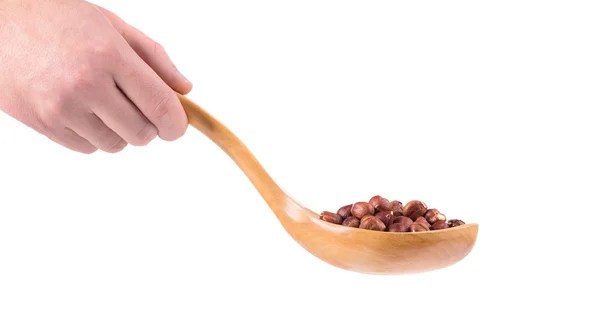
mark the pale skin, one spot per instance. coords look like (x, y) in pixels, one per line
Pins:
(78, 74)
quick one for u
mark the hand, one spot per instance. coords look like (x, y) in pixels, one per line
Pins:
(80, 75)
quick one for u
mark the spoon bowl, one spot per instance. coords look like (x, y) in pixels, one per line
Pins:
(351, 249)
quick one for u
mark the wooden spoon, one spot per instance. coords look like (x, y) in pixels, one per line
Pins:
(352, 249)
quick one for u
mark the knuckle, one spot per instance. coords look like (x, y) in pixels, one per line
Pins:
(167, 117)
(145, 135)
(109, 141)
(102, 49)
(160, 105)
(79, 80)
(52, 113)
(159, 49)
(115, 146)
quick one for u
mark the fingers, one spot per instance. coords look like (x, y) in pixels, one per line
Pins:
(71, 140)
(151, 52)
(146, 76)
(91, 128)
(109, 125)
(157, 101)
(120, 115)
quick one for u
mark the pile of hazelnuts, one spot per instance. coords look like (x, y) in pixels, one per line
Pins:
(379, 214)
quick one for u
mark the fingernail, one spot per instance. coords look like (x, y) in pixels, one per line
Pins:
(183, 77)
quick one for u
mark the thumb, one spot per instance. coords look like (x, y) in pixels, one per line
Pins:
(151, 52)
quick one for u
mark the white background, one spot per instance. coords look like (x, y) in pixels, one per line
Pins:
(485, 110)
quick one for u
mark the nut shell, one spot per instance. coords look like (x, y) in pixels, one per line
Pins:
(371, 222)
(421, 220)
(416, 227)
(344, 211)
(380, 204)
(397, 207)
(387, 217)
(360, 209)
(454, 223)
(414, 209)
(384, 205)
(439, 225)
(433, 215)
(374, 201)
(400, 224)
(351, 221)
(331, 217)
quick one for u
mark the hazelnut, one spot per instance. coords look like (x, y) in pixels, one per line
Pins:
(344, 211)
(400, 224)
(396, 207)
(386, 217)
(360, 209)
(399, 219)
(416, 227)
(351, 221)
(421, 220)
(454, 223)
(331, 217)
(374, 201)
(439, 225)
(384, 205)
(414, 209)
(432, 215)
(370, 222)
(380, 203)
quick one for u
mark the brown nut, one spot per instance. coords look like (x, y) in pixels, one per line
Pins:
(421, 220)
(360, 209)
(386, 217)
(380, 203)
(454, 223)
(439, 225)
(397, 208)
(331, 217)
(370, 222)
(433, 215)
(416, 227)
(344, 211)
(400, 224)
(374, 201)
(414, 209)
(384, 205)
(399, 219)
(351, 221)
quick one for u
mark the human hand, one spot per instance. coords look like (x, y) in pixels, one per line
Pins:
(81, 76)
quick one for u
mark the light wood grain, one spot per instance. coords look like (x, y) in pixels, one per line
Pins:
(351, 249)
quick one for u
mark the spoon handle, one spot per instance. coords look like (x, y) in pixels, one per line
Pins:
(237, 151)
